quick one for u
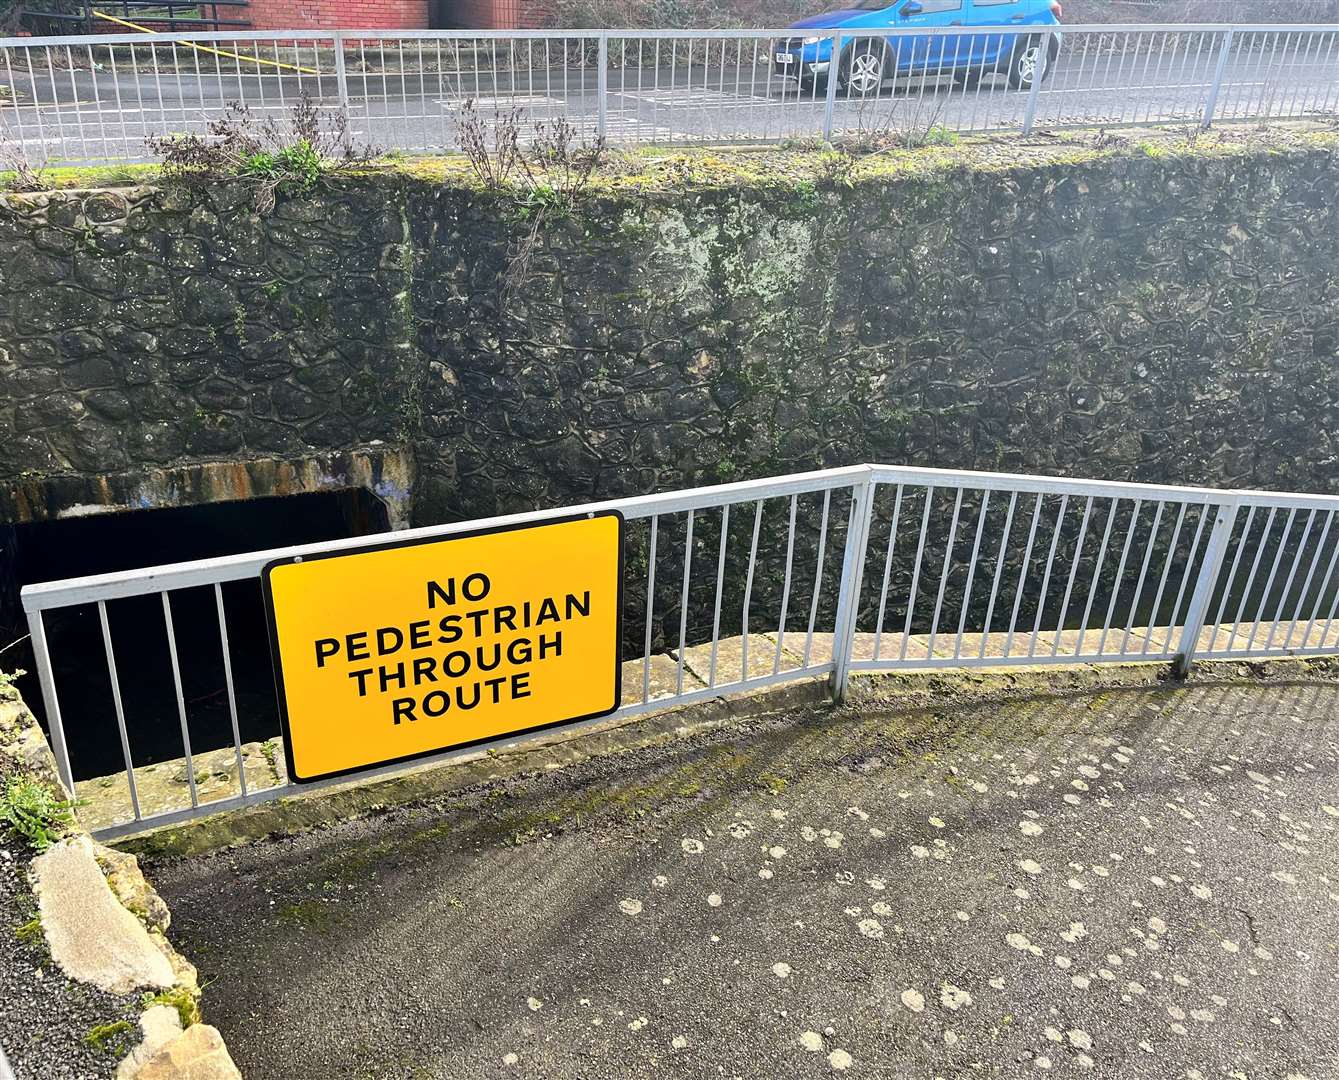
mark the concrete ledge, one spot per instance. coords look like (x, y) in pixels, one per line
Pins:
(898, 690)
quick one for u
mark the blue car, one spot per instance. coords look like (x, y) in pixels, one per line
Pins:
(863, 64)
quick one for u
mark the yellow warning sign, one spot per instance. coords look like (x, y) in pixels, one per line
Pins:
(388, 653)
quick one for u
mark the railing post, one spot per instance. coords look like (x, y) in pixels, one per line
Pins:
(341, 78)
(46, 677)
(848, 595)
(602, 85)
(1219, 536)
(830, 98)
(1043, 62)
(1211, 102)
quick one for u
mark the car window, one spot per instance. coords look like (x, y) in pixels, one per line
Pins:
(929, 7)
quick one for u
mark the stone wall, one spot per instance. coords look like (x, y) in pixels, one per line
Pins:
(1151, 314)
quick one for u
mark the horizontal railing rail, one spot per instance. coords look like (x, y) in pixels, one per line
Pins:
(76, 100)
(727, 588)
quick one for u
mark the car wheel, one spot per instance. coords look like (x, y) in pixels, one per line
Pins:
(862, 69)
(1026, 60)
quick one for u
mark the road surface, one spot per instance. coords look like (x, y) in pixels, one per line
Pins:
(1137, 884)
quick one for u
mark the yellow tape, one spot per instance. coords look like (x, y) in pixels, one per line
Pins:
(206, 48)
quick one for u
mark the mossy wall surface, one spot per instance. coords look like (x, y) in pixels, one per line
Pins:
(1168, 316)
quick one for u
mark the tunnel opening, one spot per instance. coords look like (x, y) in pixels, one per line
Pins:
(103, 543)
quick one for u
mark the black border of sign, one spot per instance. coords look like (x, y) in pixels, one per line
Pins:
(418, 541)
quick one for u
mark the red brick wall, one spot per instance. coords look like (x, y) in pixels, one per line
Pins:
(338, 14)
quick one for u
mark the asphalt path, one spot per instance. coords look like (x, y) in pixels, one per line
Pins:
(1142, 883)
(88, 115)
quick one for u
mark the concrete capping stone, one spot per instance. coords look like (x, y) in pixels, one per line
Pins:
(106, 926)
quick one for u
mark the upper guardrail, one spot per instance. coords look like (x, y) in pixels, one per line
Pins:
(98, 99)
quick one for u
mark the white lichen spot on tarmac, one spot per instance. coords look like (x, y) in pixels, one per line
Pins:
(776, 852)
(781, 970)
(1029, 866)
(1018, 941)
(1201, 892)
(1230, 946)
(765, 874)
(630, 906)
(954, 998)
(1030, 828)
(920, 852)
(811, 1041)
(679, 1042)
(691, 846)
(840, 1060)
(714, 900)
(913, 999)
(638, 1024)
(534, 1004)
(1079, 1039)
(660, 881)
(871, 928)
(510, 1059)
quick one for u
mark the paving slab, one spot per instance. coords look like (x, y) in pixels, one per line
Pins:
(1137, 883)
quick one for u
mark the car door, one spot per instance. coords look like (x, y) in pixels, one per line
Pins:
(929, 52)
(987, 49)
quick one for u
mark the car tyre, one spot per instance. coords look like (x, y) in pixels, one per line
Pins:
(1025, 59)
(863, 68)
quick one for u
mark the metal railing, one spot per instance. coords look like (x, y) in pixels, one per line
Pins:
(729, 589)
(97, 99)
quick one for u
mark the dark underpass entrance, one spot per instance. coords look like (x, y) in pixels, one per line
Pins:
(104, 543)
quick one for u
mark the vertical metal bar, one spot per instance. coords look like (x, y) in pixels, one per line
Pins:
(818, 578)
(887, 570)
(1273, 571)
(1211, 102)
(1120, 575)
(1143, 574)
(1227, 585)
(341, 76)
(1043, 61)
(47, 678)
(971, 572)
(785, 587)
(1310, 576)
(1320, 598)
(227, 679)
(943, 576)
(748, 594)
(1073, 573)
(916, 572)
(1097, 575)
(1046, 577)
(683, 601)
(1223, 520)
(120, 710)
(830, 98)
(181, 697)
(1288, 583)
(1022, 576)
(1190, 562)
(602, 85)
(995, 579)
(650, 609)
(848, 595)
(720, 582)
